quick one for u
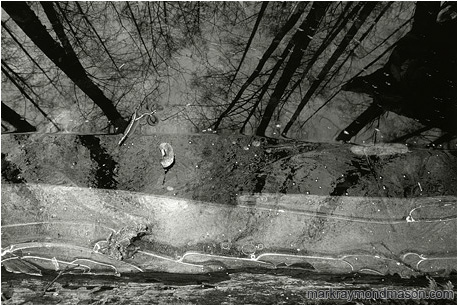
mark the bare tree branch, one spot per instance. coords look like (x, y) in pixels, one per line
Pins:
(5, 69)
(301, 40)
(253, 33)
(16, 120)
(273, 45)
(371, 113)
(31, 57)
(366, 10)
(96, 34)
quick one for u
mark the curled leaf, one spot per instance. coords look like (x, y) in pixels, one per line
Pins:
(168, 156)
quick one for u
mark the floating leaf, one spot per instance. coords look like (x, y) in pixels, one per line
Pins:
(168, 156)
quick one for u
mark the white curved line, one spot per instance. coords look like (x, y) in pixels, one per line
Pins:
(298, 256)
(340, 217)
(59, 261)
(170, 259)
(57, 222)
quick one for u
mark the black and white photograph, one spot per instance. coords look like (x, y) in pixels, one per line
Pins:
(228, 152)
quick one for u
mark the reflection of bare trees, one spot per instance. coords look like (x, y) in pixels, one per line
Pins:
(297, 66)
(253, 67)
(96, 55)
(23, 87)
(64, 57)
(363, 14)
(253, 33)
(352, 19)
(301, 40)
(29, 56)
(418, 80)
(267, 54)
(16, 120)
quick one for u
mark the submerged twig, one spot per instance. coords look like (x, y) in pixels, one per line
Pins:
(56, 278)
